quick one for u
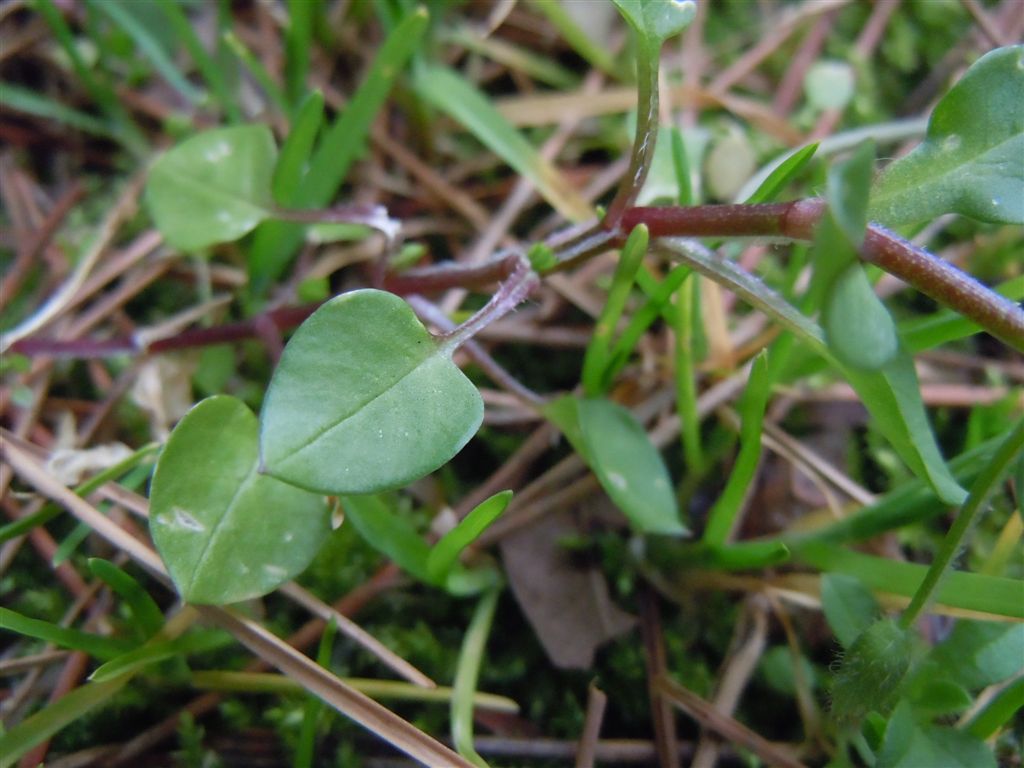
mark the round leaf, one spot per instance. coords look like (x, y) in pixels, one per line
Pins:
(214, 187)
(365, 399)
(225, 532)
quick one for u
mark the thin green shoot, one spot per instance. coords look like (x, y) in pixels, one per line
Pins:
(31, 103)
(101, 92)
(681, 166)
(209, 69)
(151, 49)
(993, 595)
(724, 515)
(445, 553)
(146, 614)
(580, 41)
(466, 674)
(259, 73)
(596, 359)
(95, 645)
(657, 305)
(686, 377)
(785, 172)
(999, 711)
(39, 727)
(298, 42)
(305, 750)
(297, 148)
(981, 489)
(341, 143)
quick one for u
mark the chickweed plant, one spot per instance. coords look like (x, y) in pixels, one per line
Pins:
(684, 350)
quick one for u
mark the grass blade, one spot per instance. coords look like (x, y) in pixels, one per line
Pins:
(276, 241)
(150, 48)
(65, 637)
(444, 554)
(470, 659)
(723, 516)
(451, 93)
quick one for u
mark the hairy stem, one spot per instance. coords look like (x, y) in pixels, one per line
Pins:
(796, 221)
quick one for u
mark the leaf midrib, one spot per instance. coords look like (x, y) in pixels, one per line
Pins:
(248, 480)
(292, 453)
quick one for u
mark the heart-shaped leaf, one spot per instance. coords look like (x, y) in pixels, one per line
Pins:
(628, 466)
(214, 187)
(970, 160)
(365, 399)
(226, 532)
(657, 20)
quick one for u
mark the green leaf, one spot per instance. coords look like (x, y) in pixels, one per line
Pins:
(970, 160)
(846, 190)
(892, 394)
(999, 711)
(628, 466)
(276, 241)
(849, 606)
(722, 517)
(935, 695)
(959, 589)
(126, 17)
(783, 173)
(872, 672)
(909, 744)
(394, 536)
(779, 671)
(859, 328)
(445, 553)
(160, 649)
(295, 152)
(146, 613)
(65, 637)
(457, 97)
(214, 187)
(657, 20)
(45, 723)
(365, 399)
(226, 532)
(596, 359)
(979, 653)
(390, 534)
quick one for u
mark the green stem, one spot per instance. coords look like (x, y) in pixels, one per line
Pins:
(980, 491)
(686, 378)
(464, 687)
(647, 60)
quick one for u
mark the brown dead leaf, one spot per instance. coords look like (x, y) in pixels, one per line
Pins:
(566, 603)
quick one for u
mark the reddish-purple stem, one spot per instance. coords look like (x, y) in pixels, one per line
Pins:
(797, 220)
